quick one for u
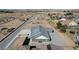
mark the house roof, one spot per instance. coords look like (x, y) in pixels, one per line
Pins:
(39, 31)
(62, 19)
(68, 23)
(72, 23)
(65, 22)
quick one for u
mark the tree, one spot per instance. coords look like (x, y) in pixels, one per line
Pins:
(76, 47)
(64, 11)
(54, 13)
(59, 25)
(68, 13)
(26, 42)
(63, 28)
(49, 14)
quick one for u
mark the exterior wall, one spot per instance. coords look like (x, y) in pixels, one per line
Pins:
(37, 40)
(37, 43)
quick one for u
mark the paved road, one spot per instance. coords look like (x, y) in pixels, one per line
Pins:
(12, 37)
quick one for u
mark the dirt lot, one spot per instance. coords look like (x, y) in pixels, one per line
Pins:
(16, 21)
(44, 22)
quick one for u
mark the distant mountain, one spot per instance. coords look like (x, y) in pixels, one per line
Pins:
(39, 10)
(6, 11)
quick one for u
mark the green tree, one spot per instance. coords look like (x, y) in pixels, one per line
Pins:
(26, 42)
(59, 25)
(63, 28)
(76, 47)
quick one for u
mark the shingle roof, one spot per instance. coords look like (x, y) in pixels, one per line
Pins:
(68, 23)
(38, 31)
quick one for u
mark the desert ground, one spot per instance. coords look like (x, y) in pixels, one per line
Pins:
(43, 21)
(11, 20)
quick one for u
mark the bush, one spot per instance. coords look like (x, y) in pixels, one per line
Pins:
(72, 32)
(59, 25)
(11, 29)
(76, 47)
(69, 13)
(6, 11)
(26, 42)
(63, 28)
(4, 28)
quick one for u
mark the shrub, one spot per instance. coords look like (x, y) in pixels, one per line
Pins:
(26, 42)
(72, 32)
(59, 25)
(63, 28)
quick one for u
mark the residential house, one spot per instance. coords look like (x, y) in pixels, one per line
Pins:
(62, 19)
(73, 23)
(40, 38)
(69, 23)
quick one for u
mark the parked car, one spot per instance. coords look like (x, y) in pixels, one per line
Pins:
(77, 38)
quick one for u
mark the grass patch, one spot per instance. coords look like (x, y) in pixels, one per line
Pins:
(26, 42)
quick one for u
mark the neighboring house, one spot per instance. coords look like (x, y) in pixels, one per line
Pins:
(62, 19)
(76, 19)
(69, 23)
(73, 23)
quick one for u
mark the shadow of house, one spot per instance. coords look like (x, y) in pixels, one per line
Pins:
(31, 47)
(55, 47)
(49, 47)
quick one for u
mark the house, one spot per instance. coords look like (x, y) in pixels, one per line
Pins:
(69, 23)
(65, 22)
(76, 19)
(73, 23)
(62, 19)
(39, 38)
(39, 34)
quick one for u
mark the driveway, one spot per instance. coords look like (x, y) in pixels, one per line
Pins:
(56, 39)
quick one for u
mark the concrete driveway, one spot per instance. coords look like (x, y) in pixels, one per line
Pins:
(57, 39)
